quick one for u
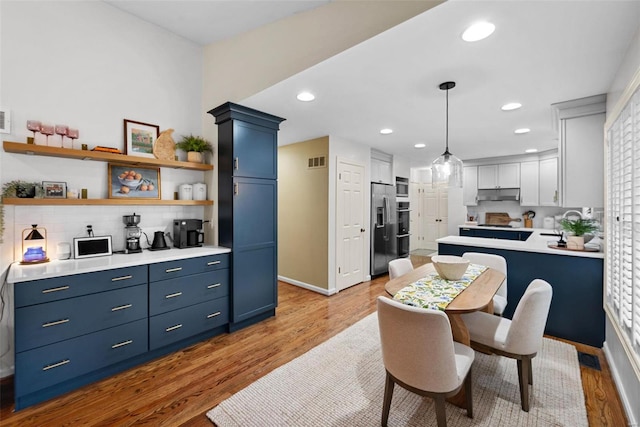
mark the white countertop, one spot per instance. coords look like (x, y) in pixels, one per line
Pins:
(535, 243)
(57, 268)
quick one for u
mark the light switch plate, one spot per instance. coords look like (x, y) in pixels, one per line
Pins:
(5, 120)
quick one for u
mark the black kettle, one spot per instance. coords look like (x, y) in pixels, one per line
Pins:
(158, 241)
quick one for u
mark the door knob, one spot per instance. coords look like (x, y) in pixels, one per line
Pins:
(362, 230)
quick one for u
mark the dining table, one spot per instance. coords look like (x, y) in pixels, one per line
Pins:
(477, 296)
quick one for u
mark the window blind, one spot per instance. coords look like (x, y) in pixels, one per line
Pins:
(622, 287)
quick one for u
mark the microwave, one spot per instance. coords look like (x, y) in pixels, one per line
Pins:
(402, 187)
(87, 247)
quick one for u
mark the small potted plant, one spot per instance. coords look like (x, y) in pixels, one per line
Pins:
(577, 228)
(194, 147)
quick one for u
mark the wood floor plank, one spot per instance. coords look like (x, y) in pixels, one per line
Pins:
(178, 389)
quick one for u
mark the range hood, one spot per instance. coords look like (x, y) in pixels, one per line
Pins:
(499, 194)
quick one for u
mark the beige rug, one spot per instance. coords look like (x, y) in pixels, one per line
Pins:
(341, 383)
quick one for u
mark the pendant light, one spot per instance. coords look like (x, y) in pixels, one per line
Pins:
(447, 169)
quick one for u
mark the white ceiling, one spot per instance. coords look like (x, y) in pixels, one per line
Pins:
(542, 52)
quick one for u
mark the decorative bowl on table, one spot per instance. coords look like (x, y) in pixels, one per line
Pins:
(450, 267)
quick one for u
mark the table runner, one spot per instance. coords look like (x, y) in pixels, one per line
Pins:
(436, 293)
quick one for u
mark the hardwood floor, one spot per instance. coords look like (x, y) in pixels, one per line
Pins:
(177, 390)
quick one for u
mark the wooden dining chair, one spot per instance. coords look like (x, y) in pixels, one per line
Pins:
(496, 262)
(419, 355)
(399, 266)
(519, 338)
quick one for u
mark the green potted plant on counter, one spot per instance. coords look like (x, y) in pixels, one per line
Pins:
(194, 146)
(577, 228)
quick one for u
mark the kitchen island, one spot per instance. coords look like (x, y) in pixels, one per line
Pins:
(576, 311)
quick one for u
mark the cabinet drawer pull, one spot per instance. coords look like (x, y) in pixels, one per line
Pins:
(122, 344)
(57, 322)
(215, 285)
(213, 315)
(56, 365)
(61, 288)
(214, 262)
(236, 189)
(122, 307)
(236, 163)
(177, 294)
(173, 328)
(172, 270)
(115, 279)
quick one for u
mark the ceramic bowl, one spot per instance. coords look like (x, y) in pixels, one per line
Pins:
(450, 267)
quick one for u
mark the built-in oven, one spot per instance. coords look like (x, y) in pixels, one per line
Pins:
(402, 187)
(403, 228)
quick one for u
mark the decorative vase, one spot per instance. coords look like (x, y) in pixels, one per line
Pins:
(194, 157)
(575, 243)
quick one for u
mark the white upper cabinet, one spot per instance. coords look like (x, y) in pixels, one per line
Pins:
(548, 169)
(381, 167)
(506, 175)
(529, 187)
(470, 186)
(581, 129)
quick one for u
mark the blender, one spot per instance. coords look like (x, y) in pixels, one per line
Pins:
(132, 234)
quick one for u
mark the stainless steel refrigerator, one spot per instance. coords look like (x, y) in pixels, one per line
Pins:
(384, 245)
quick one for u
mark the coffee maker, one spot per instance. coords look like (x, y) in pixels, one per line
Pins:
(187, 233)
(132, 234)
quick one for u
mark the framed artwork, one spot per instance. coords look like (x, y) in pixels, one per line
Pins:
(133, 182)
(54, 190)
(139, 138)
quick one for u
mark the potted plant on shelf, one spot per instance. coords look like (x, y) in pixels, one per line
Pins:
(577, 228)
(194, 147)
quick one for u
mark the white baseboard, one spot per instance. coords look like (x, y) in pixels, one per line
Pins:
(308, 286)
(615, 373)
(6, 371)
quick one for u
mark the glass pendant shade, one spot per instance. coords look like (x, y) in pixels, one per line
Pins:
(447, 169)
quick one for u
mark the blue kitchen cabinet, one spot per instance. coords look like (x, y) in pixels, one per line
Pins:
(247, 208)
(75, 329)
(576, 311)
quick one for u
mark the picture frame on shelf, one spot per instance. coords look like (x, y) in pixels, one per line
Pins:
(133, 182)
(139, 138)
(54, 190)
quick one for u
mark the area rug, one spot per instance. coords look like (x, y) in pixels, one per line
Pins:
(341, 383)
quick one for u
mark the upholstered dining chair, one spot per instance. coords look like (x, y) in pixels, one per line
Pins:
(519, 338)
(399, 266)
(497, 263)
(419, 354)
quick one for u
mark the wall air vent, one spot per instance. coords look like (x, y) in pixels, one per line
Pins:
(317, 162)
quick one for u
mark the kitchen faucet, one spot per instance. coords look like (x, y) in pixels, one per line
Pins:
(570, 211)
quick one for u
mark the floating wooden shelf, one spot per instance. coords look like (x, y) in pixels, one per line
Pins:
(95, 202)
(68, 153)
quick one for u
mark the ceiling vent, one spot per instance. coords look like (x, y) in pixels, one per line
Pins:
(317, 162)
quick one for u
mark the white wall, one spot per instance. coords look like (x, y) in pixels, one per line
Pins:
(89, 65)
(343, 149)
(626, 378)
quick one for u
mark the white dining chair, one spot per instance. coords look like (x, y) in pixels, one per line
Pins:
(519, 338)
(399, 266)
(419, 355)
(496, 262)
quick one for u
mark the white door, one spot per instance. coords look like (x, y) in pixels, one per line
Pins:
(435, 206)
(350, 225)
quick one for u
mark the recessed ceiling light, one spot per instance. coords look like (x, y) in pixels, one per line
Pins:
(522, 130)
(306, 96)
(386, 131)
(420, 145)
(511, 106)
(531, 150)
(478, 31)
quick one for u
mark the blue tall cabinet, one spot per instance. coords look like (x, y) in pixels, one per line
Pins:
(247, 208)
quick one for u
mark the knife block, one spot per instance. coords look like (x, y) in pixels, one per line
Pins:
(528, 223)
